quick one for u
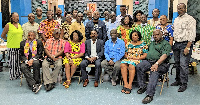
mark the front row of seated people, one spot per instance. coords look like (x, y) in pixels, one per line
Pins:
(136, 55)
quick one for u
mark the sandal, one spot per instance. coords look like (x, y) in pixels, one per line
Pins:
(67, 83)
(128, 91)
(123, 90)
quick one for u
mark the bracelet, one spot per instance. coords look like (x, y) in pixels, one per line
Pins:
(187, 48)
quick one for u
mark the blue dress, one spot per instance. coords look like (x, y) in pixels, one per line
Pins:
(135, 51)
(167, 31)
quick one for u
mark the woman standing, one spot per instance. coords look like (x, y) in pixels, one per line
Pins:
(137, 18)
(14, 36)
(136, 50)
(125, 28)
(74, 50)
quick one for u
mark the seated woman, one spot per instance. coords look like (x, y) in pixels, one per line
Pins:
(136, 50)
(74, 50)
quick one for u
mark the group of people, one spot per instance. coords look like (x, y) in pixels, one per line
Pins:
(123, 44)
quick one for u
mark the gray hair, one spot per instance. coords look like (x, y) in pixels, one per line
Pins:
(33, 32)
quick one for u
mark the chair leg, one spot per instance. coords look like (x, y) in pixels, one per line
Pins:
(164, 79)
(79, 80)
(21, 79)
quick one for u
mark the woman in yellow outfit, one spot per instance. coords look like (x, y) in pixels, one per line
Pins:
(74, 50)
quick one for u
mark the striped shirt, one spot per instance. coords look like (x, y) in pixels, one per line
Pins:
(146, 32)
(54, 46)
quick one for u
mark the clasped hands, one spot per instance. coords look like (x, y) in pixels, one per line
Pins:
(154, 67)
(92, 59)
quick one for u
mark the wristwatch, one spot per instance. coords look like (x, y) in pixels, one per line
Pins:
(157, 63)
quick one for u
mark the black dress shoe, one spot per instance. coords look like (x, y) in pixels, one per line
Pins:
(142, 90)
(182, 88)
(147, 99)
(176, 83)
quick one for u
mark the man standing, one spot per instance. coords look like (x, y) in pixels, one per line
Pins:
(54, 49)
(30, 25)
(61, 19)
(30, 52)
(114, 50)
(47, 27)
(155, 21)
(157, 62)
(123, 13)
(113, 24)
(78, 25)
(39, 16)
(184, 35)
(145, 29)
(93, 55)
(106, 15)
(74, 15)
(89, 17)
(98, 25)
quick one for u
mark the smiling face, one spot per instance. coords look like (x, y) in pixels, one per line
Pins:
(96, 15)
(15, 17)
(144, 19)
(93, 35)
(75, 37)
(126, 20)
(123, 10)
(56, 34)
(69, 18)
(106, 15)
(49, 15)
(163, 20)
(135, 36)
(59, 11)
(113, 34)
(31, 17)
(138, 16)
(38, 11)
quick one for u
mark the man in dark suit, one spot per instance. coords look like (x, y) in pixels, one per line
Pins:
(93, 54)
(30, 53)
(97, 25)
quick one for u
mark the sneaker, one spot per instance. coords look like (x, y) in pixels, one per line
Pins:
(113, 82)
(38, 86)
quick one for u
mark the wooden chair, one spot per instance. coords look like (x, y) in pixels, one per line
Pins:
(164, 79)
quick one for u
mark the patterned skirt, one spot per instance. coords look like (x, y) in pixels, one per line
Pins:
(132, 62)
(76, 61)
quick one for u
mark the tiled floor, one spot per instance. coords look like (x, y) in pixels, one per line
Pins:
(12, 94)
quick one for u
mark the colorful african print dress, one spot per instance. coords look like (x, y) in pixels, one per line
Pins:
(135, 51)
(74, 49)
(124, 33)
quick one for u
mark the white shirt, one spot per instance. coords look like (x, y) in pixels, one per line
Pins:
(93, 49)
(119, 17)
(184, 28)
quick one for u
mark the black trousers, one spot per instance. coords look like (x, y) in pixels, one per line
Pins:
(31, 78)
(85, 63)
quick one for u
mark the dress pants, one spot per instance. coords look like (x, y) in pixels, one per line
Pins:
(49, 77)
(85, 63)
(153, 79)
(31, 78)
(113, 71)
(181, 62)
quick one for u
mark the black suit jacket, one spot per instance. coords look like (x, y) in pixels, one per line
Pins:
(102, 33)
(99, 48)
(22, 57)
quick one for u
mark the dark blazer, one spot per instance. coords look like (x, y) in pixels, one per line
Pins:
(22, 57)
(102, 33)
(99, 48)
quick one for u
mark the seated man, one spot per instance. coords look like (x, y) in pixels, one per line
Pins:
(93, 54)
(114, 51)
(54, 48)
(30, 53)
(157, 62)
